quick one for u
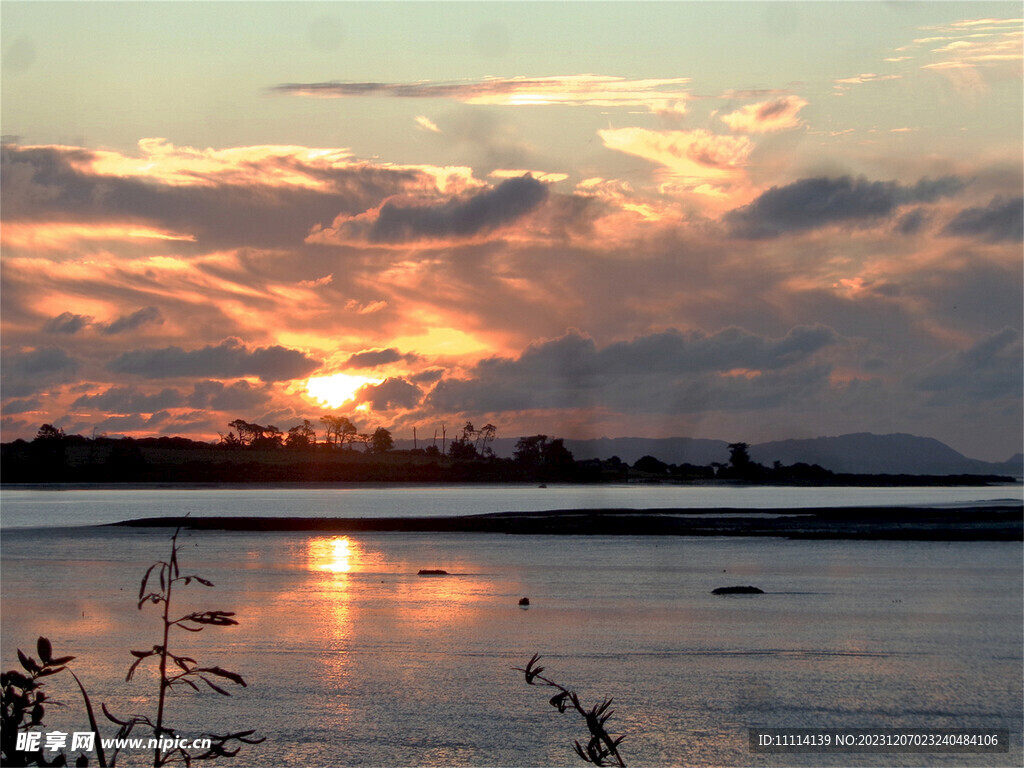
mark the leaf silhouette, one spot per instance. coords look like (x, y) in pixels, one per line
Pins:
(45, 650)
(28, 662)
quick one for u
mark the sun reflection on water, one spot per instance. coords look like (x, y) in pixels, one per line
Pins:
(340, 554)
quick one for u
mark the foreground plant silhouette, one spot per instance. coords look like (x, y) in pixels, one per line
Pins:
(23, 700)
(601, 745)
(24, 705)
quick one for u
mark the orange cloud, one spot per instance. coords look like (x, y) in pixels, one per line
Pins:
(270, 165)
(508, 173)
(59, 235)
(697, 161)
(768, 116)
(426, 124)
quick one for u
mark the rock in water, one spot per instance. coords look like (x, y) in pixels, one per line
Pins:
(525, 601)
(431, 572)
(737, 591)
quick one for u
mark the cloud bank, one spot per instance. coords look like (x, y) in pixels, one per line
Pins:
(820, 202)
(230, 359)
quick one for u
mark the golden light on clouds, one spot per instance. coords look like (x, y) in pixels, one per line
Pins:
(550, 269)
(271, 165)
(443, 341)
(336, 389)
(59, 235)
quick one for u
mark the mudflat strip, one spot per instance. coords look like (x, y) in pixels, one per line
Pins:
(977, 523)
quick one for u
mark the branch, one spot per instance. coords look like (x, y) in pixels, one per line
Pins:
(601, 744)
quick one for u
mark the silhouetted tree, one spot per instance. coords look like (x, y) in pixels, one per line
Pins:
(739, 458)
(241, 428)
(485, 436)
(339, 430)
(461, 450)
(741, 467)
(544, 459)
(50, 432)
(651, 465)
(557, 460)
(380, 441)
(49, 452)
(301, 436)
(462, 447)
(528, 450)
(268, 437)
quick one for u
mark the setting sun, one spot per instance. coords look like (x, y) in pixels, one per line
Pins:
(336, 389)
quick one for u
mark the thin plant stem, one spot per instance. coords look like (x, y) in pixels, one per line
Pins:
(601, 744)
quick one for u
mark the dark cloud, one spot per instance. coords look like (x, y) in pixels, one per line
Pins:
(991, 369)
(42, 183)
(145, 316)
(66, 322)
(459, 91)
(26, 372)
(130, 400)
(371, 358)
(241, 396)
(1002, 220)
(12, 407)
(672, 371)
(342, 90)
(428, 376)
(135, 422)
(911, 222)
(819, 202)
(482, 212)
(391, 393)
(976, 296)
(69, 323)
(230, 359)
(676, 352)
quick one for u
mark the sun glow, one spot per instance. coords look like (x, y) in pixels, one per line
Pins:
(340, 560)
(336, 389)
(340, 555)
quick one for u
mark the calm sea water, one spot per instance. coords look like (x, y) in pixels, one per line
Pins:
(353, 659)
(31, 507)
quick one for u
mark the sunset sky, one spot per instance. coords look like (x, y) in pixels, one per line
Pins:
(744, 221)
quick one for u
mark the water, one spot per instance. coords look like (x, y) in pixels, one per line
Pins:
(351, 658)
(30, 507)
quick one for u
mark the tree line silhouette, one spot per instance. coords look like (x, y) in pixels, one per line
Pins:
(254, 452)
(251, 452)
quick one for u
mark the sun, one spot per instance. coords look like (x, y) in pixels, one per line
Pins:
(337, 389)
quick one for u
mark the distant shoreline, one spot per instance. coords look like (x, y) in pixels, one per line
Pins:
(843, 481)
(1003, 522)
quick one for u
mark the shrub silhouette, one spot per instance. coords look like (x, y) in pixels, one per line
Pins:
(24, 700)
(601, 745)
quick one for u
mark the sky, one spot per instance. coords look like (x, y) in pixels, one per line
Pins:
(747, 221)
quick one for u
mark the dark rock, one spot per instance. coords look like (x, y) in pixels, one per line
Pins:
(432, 572)
(737, 591)
(525, 601)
